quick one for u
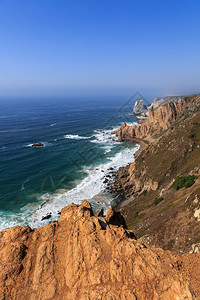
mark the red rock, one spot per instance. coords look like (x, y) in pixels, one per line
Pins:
(78, 258)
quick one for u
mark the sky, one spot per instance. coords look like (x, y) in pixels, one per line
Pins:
(81, 46)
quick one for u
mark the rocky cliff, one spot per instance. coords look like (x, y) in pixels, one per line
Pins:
(163, 100)
(157, 213)
(87, 257)
(157, 121)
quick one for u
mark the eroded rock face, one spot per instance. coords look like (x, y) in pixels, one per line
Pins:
(157, 121)
(163, 100)
(78, 258)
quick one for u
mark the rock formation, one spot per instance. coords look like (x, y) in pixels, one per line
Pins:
(39, 144)
(139, 107)
(163, 100)
(158, 214)
(85, 257)
(157, 121)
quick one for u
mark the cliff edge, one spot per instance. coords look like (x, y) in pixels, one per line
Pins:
(157, 121)
(87, 257)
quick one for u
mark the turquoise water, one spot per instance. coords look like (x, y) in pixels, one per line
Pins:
(71, 165)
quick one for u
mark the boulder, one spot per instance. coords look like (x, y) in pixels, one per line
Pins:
(115, 218)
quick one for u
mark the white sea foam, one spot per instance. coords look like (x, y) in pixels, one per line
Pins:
(141, 117)
(88, 189)
(132, 124)
(53, 124)
(22, 187)
(76, 137)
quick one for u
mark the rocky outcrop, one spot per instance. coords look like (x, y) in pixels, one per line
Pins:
(139, 108)
(163, 100)
(85, 257)
(39, 144)
(156, 122)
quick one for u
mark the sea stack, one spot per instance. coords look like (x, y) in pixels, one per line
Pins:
(139, 107)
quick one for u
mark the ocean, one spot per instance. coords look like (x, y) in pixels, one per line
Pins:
(78, 151)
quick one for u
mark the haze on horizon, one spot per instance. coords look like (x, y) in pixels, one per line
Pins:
(65, 47)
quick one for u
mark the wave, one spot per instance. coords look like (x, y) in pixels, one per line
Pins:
(13, 130)
(91, 188)
(76, 137)
(88, 188)
(105, 139)
(53, 124)
(132, 124)
(22, 187)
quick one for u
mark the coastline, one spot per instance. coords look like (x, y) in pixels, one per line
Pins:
(115, 183)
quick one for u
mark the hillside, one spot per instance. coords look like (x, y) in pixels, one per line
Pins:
(158, 214)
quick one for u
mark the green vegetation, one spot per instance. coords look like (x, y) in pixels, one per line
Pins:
(197, 108)
(191, 136)
(170, 244)
(140, 159)
(186, 115)
(196, 124)
(158, 200)
(144, 193)
(183, 181)
(146, 142)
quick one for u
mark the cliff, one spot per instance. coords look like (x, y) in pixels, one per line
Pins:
(159, 214)
(157, 121)
(163, 100)
(87, 257)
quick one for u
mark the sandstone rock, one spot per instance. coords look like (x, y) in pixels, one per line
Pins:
(163, 100)
(115, 218)
(156, 122)
(77, 258)
(197, 214)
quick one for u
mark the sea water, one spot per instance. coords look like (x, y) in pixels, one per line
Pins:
(79, 149)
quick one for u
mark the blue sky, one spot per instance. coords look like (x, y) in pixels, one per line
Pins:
(71, 46)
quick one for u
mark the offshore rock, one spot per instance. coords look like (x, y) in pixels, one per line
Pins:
(39, 144)
(139, 107)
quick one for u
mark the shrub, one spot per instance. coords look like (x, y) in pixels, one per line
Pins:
(191, 136)
(196, 124)
(197, 108)
(144, 193)
(158, 200)
(183, 181)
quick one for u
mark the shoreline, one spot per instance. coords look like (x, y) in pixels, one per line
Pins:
(116, 185)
